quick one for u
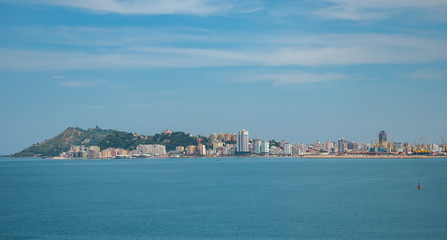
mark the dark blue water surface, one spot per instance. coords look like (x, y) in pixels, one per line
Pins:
(232, 198)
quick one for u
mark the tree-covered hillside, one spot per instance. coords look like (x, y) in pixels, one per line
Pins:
(104, 139)
(118, 139)
(63, 141)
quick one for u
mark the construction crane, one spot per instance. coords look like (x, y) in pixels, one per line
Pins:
(392, 147)
(376, 144)
(420, 144)
(421, 148)
(413, 147)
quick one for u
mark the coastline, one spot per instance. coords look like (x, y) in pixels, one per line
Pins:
(374, 156)
(298, 157)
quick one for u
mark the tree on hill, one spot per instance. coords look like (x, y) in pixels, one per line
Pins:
(118, 139)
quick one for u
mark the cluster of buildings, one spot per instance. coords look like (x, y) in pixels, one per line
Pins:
(225, 144)
(93, 152)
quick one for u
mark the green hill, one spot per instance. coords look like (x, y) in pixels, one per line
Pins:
(62, 142)
(104, 139)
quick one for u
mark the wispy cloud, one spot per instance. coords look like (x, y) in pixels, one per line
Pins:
(150, 7)
(58, 77)
(74, 84)
(81, 36)
(289, 77)
(300, 50)
(428, 74)
(379, 9)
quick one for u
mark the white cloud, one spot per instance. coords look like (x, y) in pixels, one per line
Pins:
(74, 84)
(190, 7)
(288, 77)
(349, 50)
(58, 77)
(132, 48)
(429, 74)
(378, 9)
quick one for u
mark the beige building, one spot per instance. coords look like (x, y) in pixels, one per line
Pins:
(217, 145)
(191, 150)
(180, 149)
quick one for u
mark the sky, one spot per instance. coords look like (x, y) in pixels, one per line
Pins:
(298, 70)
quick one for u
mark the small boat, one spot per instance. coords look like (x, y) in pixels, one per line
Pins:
(419, 185)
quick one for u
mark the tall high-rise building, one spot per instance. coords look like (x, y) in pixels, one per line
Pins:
(342, 145)
(242, 141)
(383, 139)
(257, 146)
(288, 149)
(201, 149)
(265, 147)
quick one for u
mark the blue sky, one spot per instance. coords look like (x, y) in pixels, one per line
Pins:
(295, 70)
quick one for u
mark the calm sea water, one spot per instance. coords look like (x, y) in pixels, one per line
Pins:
(232, 198)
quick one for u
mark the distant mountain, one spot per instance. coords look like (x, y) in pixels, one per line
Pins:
(62, 142)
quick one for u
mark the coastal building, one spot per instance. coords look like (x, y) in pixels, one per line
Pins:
(275, 150)
(112, 152)
(257, 146)
(242, 141)
(179, 148)
(342, 146)
(265, 147)
(220, 151)
(105, 153)
(211, 152)
(152, 149)
(191, 150)
(251, 147)
(93, 152)
(230, 149)
(383, 141)
(217, 145)
(77, 152)
(287, 149)
(296, 152)
(201, 149)
(329, 146)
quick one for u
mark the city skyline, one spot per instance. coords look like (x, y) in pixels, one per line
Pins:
(171, 144)
(301, 71)
(175, 144)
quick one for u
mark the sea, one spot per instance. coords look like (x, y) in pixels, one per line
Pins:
(223, 198)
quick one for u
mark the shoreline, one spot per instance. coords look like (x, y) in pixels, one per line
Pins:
(374, 156)
(298, 157)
